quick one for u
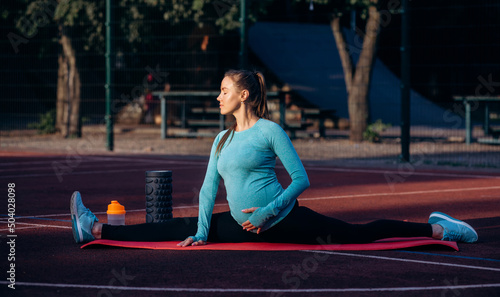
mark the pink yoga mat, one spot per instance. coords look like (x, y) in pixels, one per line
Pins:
(385, 244)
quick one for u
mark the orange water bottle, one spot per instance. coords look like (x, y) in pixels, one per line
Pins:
(116, 213)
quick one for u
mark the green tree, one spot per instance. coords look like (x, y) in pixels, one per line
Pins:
(357, 77)
(85, 18)
(224, 13)
(77, 18)
(71, 17)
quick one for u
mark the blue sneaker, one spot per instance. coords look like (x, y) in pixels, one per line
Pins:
(82, 219)
(454, 230)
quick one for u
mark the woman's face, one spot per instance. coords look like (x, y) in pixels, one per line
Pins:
(230, 97)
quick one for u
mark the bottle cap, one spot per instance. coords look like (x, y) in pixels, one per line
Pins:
(115, 208)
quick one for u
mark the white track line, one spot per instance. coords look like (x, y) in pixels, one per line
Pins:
(31, 163)
(79, 167)
(251, 290)
(36, 225)
(33, 227)
(401, 193)
(82, 172)
(68, 174)
(406, 260)
(403, 172)
(155, 161)
(86, 159)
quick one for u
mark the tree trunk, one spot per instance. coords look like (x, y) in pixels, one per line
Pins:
(359, 108)
(62, 96)
(358, 83)
(345, 58)
(68, 91)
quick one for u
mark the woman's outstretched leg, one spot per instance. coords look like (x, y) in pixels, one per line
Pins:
(174, 229)
(86, 227)
(304, 225)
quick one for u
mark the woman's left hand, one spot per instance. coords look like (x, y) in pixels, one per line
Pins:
(247, 225)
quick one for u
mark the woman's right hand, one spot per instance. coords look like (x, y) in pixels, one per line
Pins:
(190, 241)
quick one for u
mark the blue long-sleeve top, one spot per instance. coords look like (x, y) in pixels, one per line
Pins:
(246, 163)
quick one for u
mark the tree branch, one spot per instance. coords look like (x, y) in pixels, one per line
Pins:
(345, 58)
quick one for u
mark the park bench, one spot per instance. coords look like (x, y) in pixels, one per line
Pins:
(194, 115)
(294, 120)
(206, 117)
(489, 115)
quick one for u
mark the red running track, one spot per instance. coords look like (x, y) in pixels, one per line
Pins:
(49, 263)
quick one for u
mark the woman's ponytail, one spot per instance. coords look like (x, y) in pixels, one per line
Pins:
(261, 103)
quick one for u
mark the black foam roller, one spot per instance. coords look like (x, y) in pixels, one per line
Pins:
(158, 196)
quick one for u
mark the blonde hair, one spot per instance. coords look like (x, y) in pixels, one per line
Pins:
(254, 83)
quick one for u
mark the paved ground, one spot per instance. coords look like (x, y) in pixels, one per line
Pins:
(49, 263)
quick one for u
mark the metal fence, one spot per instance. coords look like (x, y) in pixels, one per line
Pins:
(453, 46)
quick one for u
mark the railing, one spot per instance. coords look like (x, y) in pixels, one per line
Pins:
(200, 110)
(467, 100)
